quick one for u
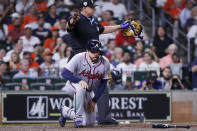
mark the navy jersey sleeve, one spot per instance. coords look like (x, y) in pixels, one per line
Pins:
(69, 76)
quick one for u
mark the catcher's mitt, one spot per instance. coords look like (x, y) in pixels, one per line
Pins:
(133, 30)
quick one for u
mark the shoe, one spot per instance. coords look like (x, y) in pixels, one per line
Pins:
(78, 124)
(112, 121)
(62, 120)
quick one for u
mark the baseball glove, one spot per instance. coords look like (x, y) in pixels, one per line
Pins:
(133, 30)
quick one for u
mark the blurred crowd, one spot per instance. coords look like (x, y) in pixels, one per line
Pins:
(34, 42)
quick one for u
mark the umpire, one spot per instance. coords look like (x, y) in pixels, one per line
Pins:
(82, 27)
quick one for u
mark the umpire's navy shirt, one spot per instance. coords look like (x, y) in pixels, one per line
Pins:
(84, 30)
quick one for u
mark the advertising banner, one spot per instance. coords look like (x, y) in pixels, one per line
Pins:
(43, 107)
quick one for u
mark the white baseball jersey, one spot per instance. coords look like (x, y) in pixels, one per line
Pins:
(82, 67)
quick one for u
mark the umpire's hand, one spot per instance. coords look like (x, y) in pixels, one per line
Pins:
(75, 17)
(84, 84)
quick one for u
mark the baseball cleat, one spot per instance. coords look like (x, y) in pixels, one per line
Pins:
(62, 120)
(78, 124)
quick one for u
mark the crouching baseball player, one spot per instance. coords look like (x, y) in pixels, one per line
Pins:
(85, 72)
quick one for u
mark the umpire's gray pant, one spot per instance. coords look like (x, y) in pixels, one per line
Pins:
(104, 111)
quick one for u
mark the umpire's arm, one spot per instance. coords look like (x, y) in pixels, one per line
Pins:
(110, 29)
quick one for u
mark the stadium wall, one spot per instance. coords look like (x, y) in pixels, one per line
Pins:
(184, 106)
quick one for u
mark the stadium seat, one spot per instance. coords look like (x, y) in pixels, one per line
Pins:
(22, 80)
(63, 80)
(59, 86)
(13, 72)
(50, 80)
(41, 86)
(13, 86)
(25, 80)
(46, 80)
(6, 80)
(55, 80)
(32, 80)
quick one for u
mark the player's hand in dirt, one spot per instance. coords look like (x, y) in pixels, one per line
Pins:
(91, 106)
(84, 84)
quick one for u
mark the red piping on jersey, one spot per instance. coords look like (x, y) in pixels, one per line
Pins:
(74, 97)
(75, 104)
(94, 71)
(89, 66)
(72, 86)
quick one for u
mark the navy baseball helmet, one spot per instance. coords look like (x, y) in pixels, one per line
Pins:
(94, 45)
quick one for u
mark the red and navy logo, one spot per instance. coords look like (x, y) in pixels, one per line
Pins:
(91, 76)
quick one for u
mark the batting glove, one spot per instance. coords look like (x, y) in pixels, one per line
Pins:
(124, 25)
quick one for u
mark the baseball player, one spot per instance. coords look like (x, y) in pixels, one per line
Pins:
(82, 27)
(85, 72)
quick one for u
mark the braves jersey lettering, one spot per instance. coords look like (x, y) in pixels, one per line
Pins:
(91, 76)
(83, 68)
(95, 75)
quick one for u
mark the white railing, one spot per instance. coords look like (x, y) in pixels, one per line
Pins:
(138, 4)
(186, 48)
(144, 15)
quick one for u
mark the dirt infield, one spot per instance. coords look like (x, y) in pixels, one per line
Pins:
(126, 127)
